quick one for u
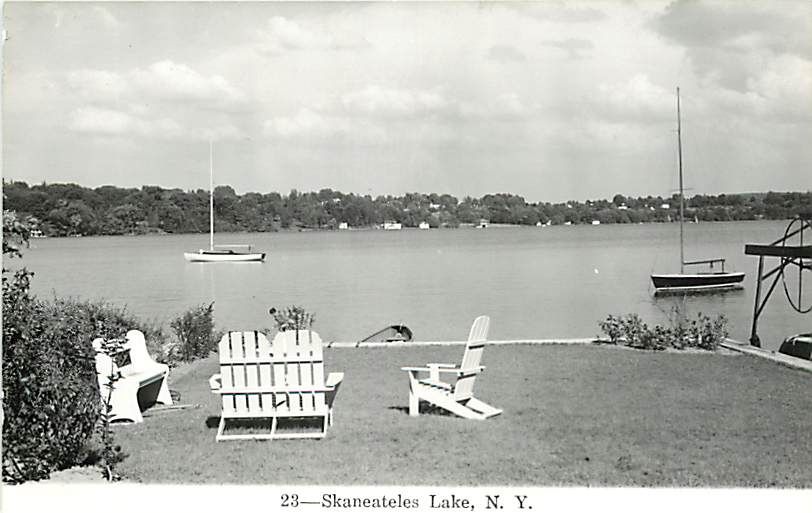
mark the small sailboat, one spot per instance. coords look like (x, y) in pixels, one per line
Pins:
(222, 252)
(700, 281)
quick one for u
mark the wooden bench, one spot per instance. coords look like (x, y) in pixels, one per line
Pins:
(142, 382)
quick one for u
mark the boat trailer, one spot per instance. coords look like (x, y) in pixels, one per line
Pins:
(790, 255)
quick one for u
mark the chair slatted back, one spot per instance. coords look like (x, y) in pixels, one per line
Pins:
(298, 366)
(137, 346)
(477, 339)
(245, 364)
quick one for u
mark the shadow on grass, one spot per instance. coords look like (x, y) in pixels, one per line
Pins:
(424, 409)
(285, 425)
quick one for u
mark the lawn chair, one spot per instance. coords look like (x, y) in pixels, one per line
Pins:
(458, 398)
(141, 383)
(276, 382)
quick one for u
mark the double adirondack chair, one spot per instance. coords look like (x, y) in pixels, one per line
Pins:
(458, 396)
(283, 380)
(141, 383)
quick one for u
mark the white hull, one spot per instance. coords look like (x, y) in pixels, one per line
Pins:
(224, 257)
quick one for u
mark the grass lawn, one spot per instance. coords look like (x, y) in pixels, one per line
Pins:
(573, 415)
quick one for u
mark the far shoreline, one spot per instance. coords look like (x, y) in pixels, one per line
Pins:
(463, 226)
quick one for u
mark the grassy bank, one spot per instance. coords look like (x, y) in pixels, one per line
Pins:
(572, 416)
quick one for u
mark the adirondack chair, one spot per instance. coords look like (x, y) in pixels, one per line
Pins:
(142, 382)
(281, 381)
(457, 397)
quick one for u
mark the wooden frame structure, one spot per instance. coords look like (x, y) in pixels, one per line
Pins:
(800, 256)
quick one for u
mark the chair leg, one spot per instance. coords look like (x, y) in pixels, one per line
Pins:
(164, 397)
(124, 402)
(414, 404)
(273, 427)
(220, 429)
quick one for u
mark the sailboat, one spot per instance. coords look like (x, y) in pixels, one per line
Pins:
(222, 252)
(700, 281)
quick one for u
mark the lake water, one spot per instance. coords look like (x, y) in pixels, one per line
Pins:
(553, 282)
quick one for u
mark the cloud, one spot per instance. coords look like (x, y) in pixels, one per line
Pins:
(171, 81)
(165, 99)
(574, 47)
(98, 85)
(390, 102)
(106, 17)
(305, 123)
(283, 35)
(558, 11)
(742, 25)
(505, 54)
(729, 42)
(102, 121)
(636, 100)
(163, 80)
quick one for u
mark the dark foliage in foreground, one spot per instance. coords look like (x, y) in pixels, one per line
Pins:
(69, 209)
(51, 400)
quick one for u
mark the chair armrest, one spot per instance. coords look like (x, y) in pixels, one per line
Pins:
(334, 379)
(215, 382)
(415, 369)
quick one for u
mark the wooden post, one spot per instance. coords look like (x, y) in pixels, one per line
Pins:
(754, 340)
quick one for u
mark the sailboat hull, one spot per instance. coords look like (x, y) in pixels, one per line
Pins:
(223, 256)
(699, 281)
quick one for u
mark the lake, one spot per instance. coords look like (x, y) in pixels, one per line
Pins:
(552, 282)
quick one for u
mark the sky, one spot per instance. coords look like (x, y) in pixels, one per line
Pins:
(550, 100)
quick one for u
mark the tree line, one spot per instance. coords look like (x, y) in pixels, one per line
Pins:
(59, 209)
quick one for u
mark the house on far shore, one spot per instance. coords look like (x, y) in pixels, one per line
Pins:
(391, 225)
(423, 225)
(343, 226)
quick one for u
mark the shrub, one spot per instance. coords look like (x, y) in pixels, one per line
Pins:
(101, 319)
(708, 333)
(293, 318)
(702, 332)
(194, 330)
(52, 398)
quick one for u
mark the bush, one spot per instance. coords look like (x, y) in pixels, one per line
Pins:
(101, 319)
(51, 398)
(52, 401)
(702, 332)
(293, 318)
(194, 330)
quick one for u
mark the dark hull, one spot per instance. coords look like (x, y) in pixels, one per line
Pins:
(696, 281)
(799, 346)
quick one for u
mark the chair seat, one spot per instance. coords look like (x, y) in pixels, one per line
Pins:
(436, 384)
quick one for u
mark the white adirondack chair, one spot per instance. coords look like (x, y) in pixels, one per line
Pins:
(142, 382)
(457, 397)
(284, 380)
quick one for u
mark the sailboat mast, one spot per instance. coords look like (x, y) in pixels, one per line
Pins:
(211, 196)
(681, 198)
